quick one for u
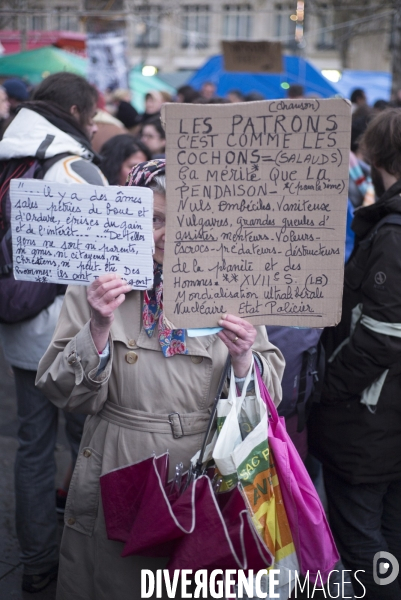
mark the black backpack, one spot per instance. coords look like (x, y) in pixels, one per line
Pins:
(20, 300)
(304, 369)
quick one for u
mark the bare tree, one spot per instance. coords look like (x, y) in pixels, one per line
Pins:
(396, 47)
(352, 20)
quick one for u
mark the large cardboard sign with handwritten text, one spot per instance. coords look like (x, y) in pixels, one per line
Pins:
(256, 212)
(72, 234)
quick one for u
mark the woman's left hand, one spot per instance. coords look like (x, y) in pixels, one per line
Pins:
(239, 336)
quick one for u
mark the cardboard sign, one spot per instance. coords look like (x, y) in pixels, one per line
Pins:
(253, 57)
(256, 212)
(75, 233)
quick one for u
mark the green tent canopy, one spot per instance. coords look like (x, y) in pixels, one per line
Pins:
(140, 85)
(34, 65)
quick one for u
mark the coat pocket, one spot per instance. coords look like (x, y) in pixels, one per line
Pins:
(83, 496)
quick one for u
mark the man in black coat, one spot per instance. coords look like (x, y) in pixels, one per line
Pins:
(356, 430)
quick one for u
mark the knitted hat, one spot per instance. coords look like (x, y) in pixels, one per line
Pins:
(16, 89)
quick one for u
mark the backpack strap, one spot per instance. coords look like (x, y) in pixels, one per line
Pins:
(5, 245)
(300, 405)
(318, 377)
(46, 164)
(313, 364)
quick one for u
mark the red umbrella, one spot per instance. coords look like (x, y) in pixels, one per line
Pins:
(196, 528)
(189, 523)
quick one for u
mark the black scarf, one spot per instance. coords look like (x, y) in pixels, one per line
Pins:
(63, 120)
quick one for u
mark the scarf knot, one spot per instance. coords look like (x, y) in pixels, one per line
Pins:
(172, 341)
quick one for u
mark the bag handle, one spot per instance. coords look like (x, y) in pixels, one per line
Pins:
(265, 395)
(199, 463)
(233, 387)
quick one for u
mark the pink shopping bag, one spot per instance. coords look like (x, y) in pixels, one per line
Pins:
(312, 537)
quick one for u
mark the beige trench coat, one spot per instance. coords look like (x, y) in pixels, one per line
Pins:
(131, 405)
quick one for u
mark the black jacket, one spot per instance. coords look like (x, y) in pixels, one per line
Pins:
(359, 445)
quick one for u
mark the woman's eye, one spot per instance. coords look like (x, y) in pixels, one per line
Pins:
(158, 222)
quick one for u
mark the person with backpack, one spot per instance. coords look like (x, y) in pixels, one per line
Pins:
(356, 428)
(50, 138)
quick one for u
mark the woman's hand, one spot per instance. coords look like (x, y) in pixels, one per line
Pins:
(105, 294)
(239, 336)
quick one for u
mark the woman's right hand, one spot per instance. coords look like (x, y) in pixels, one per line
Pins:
(105, 294)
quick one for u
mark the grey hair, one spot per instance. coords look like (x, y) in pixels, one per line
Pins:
(158, 184)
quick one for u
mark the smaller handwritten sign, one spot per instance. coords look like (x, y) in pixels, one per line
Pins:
(72, 234)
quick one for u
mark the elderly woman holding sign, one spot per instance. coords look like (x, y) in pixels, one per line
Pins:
(147, 389)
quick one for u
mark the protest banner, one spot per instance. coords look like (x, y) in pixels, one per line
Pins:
(252, 57)
(108, 64)
(72, 234)
(256, 211)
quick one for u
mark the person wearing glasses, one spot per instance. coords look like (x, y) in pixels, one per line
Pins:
(115, 357)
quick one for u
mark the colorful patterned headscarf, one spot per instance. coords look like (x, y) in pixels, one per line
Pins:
(143, 173)
(172, 341)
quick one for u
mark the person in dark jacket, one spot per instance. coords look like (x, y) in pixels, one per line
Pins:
(356, 429)
(57, 126)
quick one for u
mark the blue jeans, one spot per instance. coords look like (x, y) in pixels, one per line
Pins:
(35, 469)
(366, 519)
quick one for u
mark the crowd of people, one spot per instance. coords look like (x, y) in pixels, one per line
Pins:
(82, 347)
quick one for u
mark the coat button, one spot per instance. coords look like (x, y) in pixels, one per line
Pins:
(72, 358)
(87, 453)
(131, 343)
(196, 359)
(71, 521)
(131, 357)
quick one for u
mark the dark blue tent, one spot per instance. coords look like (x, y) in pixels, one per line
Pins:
(297, 70)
